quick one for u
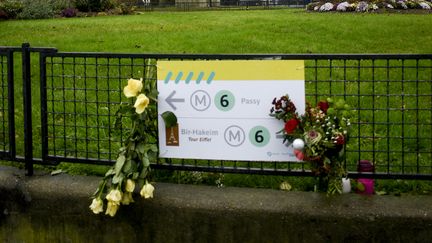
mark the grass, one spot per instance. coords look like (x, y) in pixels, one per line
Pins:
(260, 31)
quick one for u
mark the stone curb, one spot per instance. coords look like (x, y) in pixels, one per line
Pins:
(55, 208)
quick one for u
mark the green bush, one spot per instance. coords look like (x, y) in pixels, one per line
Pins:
(126, 6)
(37, 9)
(94, 5)
(59, 5)
(10, 8)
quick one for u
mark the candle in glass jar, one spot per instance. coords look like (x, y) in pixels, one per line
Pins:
(346, 185)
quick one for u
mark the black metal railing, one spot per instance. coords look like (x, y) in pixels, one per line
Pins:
(221, 4)
(80, 92)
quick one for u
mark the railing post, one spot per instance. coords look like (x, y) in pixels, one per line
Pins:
(11, 106)
(28, 133)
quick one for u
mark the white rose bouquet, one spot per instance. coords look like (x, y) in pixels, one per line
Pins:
(132, 166)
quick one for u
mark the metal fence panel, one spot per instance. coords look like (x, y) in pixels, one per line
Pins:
(392, 96)
(7, 120)
(221, 4)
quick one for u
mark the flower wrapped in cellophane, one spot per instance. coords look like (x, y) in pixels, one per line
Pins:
(319, 136)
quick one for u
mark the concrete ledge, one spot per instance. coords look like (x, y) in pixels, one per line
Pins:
(46, 208)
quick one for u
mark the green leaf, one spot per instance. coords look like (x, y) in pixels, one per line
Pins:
(381, 193)
(153, 148)
(140, 148)
(360, 187)
(110, 172)
(153, 95)
(146, 161)
(143, 173)
(142, 116)
(124, 109)
(56, 172)
(127, 166)
(117, 178)
(119, 163)
(169, 118)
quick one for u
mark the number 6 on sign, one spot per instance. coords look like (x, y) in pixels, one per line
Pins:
(224, 100)
(259, 136)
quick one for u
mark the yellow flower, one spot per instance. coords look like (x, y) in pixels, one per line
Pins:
(130, 185)
(147, 190)
(114, 196)
(127, 198)
(285, 186)
(97, 206)
(141, 103)
(112, 209)
(133, 88)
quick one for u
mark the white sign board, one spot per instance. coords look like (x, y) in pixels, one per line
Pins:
(223, 108)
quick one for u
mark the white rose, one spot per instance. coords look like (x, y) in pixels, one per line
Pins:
(141, 103)
(147, 191)
(133, 87)
(112, 209)
(97, 206)
(130, 185)
(114, 196)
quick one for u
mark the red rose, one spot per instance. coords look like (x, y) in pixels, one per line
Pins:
(291, 125)
(340, 140)
(323, 105)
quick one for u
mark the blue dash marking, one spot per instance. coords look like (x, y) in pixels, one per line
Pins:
(189, 77)
(200, 76)
(179, 76)
(168, 77)
(210, 78)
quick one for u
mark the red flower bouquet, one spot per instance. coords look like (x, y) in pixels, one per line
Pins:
(318, 136)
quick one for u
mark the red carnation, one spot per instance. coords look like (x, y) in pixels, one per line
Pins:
(291, 125)
(323, 105)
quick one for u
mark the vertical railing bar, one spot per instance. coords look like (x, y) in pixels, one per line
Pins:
(132, 67)
(388, 116)
(345, 98)
(120, 94)
(316, 81)
(430, 144)
(64, 106)
(109, 110)
(11, 105)
(43, 103)
(28, 133)
(403, 115)
(417, 117)
(75, 107)
(358, 110)
(97, 105)
(52, 108)
(85, 106)
(330, 76)
(5, 122)
(345, 78)
(373, 112)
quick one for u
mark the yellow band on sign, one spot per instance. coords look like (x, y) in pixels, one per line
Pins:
(207, 71)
